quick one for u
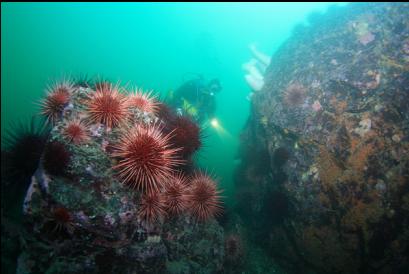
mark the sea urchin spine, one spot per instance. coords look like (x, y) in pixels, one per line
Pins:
(56, 158)
(204, 197)
(107, 106)
(152, 208)
(143, 101)
(187, 135)
(295, 95)
(146, 160)
(58, 96)
(62, 220)
(176, 194)
(76, 132)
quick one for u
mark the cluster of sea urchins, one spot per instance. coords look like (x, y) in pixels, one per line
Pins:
(146, 153)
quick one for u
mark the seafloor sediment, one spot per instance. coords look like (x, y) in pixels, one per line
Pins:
(325, 153)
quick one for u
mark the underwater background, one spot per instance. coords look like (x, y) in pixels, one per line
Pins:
(155, 46)
(301, 166)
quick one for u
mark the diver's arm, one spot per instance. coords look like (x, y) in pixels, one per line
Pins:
(191, 91)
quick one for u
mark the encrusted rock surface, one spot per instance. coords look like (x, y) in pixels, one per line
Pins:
(332, 125)
(86, 220)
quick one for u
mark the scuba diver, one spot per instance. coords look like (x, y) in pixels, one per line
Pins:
(196, 98)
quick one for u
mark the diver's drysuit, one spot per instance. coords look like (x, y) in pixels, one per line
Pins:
(196, 98)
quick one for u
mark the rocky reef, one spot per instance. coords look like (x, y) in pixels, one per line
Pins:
(324, 180)
(112, 192)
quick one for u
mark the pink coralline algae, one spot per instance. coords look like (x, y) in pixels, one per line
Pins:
(316, 106)
(366, 38)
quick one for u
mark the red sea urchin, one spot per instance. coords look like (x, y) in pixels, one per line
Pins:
(23, 146)
(186, 135)
(233, 248)
(76, 132)
(146, 159)
(204, 197)
(166, 113)
(56, 158)
(62, 220)
(107, 106)
(143, 101)
(57, 98)
(152, 208)
(295, 95)
(176, 194)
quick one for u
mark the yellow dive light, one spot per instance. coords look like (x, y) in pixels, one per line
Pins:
(215, 123)
(219, 129)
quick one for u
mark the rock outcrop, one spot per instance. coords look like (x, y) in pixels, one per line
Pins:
(324, 179)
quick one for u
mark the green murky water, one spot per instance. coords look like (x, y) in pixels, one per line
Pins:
(153, 46)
